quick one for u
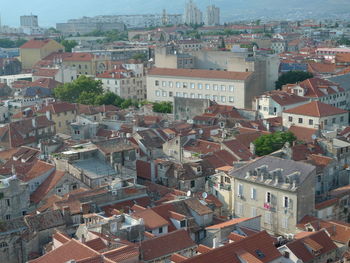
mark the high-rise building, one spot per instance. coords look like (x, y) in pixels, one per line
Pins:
(213, 16)
(29, 21)
(192, 14)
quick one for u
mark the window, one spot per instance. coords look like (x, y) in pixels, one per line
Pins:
(333, 120)
(183, 223)
(184, 85)
(8, 217)
(170, 94)
(267, 217)
(192, 85)
(230, 99)
(325, 122)
(207, 86)
(223, 98)
(185, 95)
(311, 122)
(239, 209)
(300, 120)
(157, 93)
(170, 84)
(268, 197)
(240, 190)
(178, 85)
(231, 88)
(285, 201)
(200, 96)
(193, 183)
(284, 222)
(200, 85)
(156, 83)
(163, 83)
(7, 201)
(178, 94)
(160, 230)
(253, 212)
(253, 193)
(341, 118)
(164, 93)
(215, 87)
(215, 98)
(223, 88)
(290, 118)
(192, 95)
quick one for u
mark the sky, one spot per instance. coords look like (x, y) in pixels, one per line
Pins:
(52, 11)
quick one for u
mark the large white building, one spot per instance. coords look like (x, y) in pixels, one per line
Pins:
(212, 17)
(192, 14)
(224, 87)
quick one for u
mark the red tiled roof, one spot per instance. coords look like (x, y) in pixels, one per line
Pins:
(33, 43)
(45, 72)
(143, 169)
(166, 245)
(68, 251)
(58, 107)
(200, 73)
(284, 98)
(238, 149)
(231, 222)
(152, 219)
(319, 242)
(41, 192)
(316, 109)
(328, 203)
(202, 146)
(38, 169)
(302, 133)
(260, 247)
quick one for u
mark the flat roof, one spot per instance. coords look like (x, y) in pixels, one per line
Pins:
(94, 168)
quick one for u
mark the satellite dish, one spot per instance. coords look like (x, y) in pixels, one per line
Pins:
(188, 193)
(200, 131)
(204, 195)
(313, 136)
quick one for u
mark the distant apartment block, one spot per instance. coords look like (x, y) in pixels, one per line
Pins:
(213, 16)
(29, 21)
(192, 14)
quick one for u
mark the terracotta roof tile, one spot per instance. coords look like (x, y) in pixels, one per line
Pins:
(35, 43)
(166, 245)
(50, 182)
(302, 133)
(152, 219)
(231, 222)
(260, 246)
(316, 109)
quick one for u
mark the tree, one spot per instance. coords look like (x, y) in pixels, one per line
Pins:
(108, 98)
(222, 44)
(270, 143)
(83, 90)
(163, 107)
(292, 77)
(69, 44)
(8, 43)
(140, 56)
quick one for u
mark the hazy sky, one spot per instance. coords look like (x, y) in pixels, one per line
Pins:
(52, 11)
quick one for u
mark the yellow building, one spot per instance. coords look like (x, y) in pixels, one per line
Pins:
(35, 50)
(62, 113)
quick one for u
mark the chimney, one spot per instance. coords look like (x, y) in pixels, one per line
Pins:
(34, 122)
(85, 208)
(66, 210)
(48, 115)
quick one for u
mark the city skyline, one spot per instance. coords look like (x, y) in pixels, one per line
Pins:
(249, 9)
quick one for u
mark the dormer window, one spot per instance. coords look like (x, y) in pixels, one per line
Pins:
(183, 223)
